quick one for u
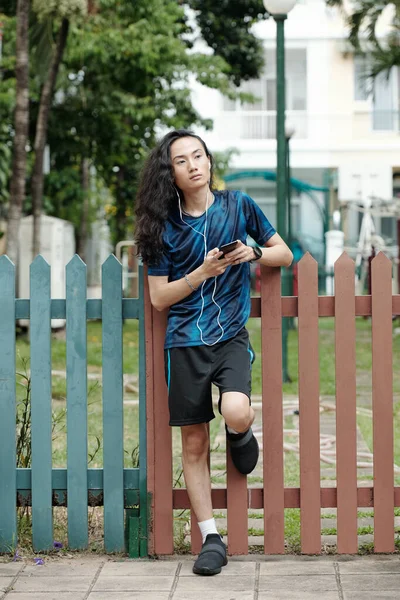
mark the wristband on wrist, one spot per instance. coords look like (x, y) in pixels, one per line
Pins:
(189, 284)
(257, 254)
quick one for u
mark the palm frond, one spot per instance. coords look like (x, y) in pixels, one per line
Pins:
(338, 3)
(384, 59)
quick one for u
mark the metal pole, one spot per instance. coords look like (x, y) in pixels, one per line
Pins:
(289, 193)
(280, 125)
(281, 174)
(290, 321)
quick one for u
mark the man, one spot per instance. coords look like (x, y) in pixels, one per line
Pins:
(182, 227)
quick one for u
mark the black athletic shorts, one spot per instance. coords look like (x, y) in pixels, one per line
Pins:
(190, 371)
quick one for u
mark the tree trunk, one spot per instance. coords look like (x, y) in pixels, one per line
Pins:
(83, 230)
(41, 133)
(121, 202)
(21, 124)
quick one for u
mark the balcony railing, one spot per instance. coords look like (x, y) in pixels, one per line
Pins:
(261, 124)
(338, 128)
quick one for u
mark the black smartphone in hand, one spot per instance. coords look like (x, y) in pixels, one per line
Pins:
(226, 248)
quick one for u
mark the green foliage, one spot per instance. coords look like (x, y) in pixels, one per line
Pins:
(7, 104)
(226, 27)
(125, 78)
(362, 19)
(59, 8)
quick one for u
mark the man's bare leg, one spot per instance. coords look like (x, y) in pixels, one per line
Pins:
(195, 447)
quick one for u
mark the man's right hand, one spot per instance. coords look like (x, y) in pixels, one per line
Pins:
(213, 265)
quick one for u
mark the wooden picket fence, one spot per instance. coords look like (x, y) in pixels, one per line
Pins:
(40, 486)
(310, 497)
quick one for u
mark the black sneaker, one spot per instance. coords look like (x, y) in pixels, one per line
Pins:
(212, 556)
(244, 450)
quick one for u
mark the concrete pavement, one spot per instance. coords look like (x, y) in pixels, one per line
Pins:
(244, 578)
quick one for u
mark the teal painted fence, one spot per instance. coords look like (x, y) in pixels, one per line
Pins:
(122, 492)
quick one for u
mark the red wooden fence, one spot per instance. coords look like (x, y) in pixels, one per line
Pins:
(310, 497)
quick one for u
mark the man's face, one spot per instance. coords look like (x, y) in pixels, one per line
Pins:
(190, 164)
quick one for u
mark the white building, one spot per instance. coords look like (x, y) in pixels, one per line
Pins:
(346, 135)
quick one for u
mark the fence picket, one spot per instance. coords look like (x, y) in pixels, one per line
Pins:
(143, 515)
(76, 403)
(237, 518)
(382, 403)
(272, 412)
(113, 431)
(41, 410)
(346, 421)
(8, 475)
(310, 500)
(163, 527)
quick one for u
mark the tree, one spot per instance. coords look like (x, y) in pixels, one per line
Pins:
(49, 10)
(21, 120)
(362, 17)
(226, 27)
(111, 115)
(124, 75)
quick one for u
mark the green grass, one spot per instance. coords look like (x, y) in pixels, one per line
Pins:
(292, 515)
(95, 413)
(326, 356)
(366, 427)
(360, 531)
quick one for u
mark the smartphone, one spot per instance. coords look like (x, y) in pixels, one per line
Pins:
(228, 248)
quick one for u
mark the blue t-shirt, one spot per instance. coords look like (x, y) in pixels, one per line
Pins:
(232, 216)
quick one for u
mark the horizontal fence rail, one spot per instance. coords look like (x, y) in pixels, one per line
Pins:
(310, 497)
(41, 486)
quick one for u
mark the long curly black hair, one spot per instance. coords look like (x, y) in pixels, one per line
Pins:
(157, 196)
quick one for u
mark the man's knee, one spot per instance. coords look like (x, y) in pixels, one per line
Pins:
(195, 440)
(235, 408)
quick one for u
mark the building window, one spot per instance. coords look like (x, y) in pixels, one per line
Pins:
(259, 120)
(361, 91)
(386, 102)
(383, 93)
(264, 89)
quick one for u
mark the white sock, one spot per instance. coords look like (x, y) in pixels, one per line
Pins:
(207, 527)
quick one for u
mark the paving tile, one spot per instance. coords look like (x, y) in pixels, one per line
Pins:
(295, 595)
(256, 540)
(140, 568)
(51, 584)
(233, 568)
(328, 511)
(328, 523)
(4, 583)
(295, 567)
(215, 596)
(64, 568)
(46, 595)
(369, 583)
(129, 596)
(10, 569)
(124, 583)
(300, 583)
(212, 584)
(369, 565)
(371, 595)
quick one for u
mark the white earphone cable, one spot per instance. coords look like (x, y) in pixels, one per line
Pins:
(204, 235)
